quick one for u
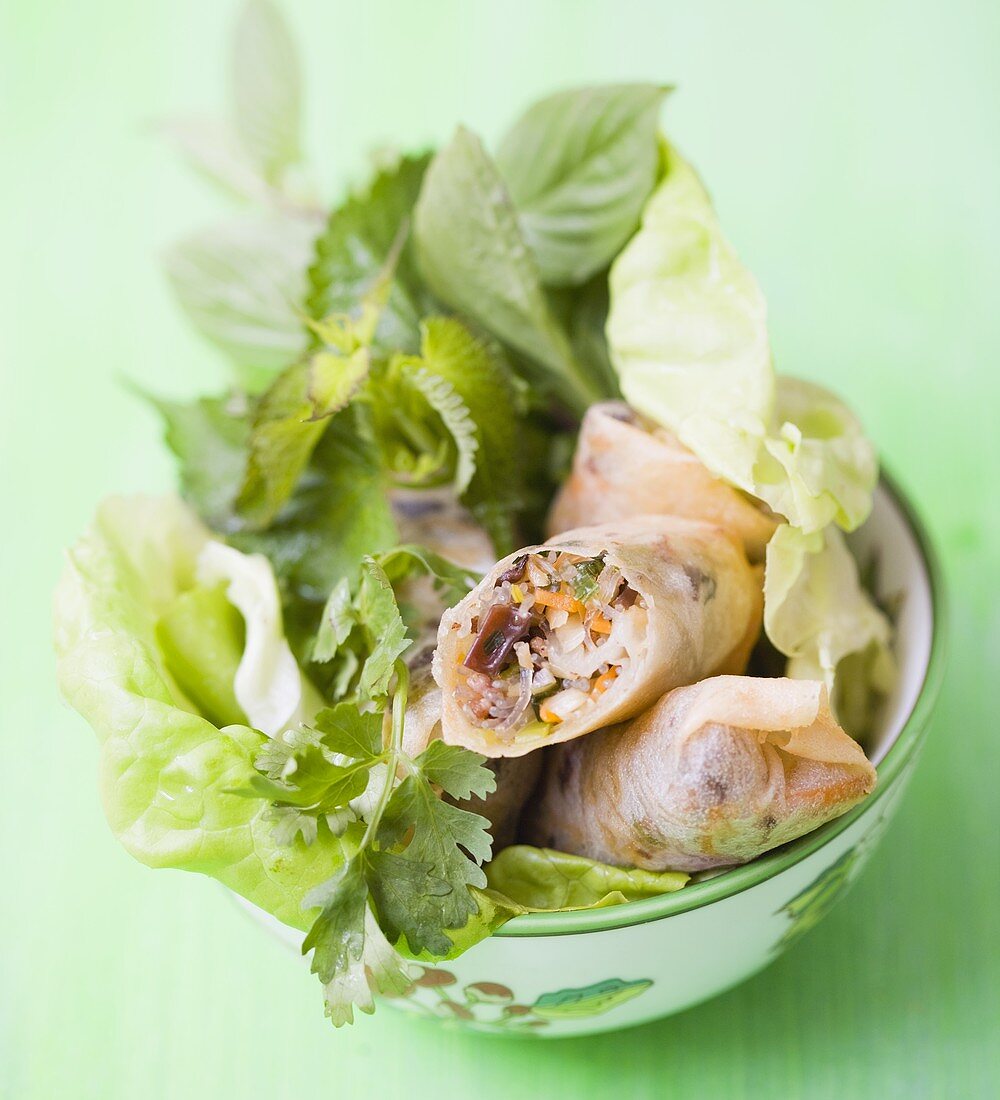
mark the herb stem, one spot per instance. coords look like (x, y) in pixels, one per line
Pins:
(392, 752)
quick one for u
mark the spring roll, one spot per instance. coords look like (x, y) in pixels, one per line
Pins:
(591, 628)
(516, 779)
(712, 775)
(625, 466)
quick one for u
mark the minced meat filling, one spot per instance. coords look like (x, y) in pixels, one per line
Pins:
(552, 636)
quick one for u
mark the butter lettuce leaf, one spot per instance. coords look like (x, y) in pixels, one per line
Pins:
(687, 329)
(817, 612)
(579, 165)
(544, 879)
(167, 771)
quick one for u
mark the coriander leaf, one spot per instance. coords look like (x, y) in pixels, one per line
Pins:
(215, 153)
(379, 970)
(345, 730)
(350, 255)
(338, 934)
(266, 89)
(579, 166)
(456, 770)
(384, 627)
(474, 258)
(209, 438)
(452, 581)
(239, 284)
(336, 624)
(440, 836)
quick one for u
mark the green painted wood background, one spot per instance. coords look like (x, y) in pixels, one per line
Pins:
(854, 152)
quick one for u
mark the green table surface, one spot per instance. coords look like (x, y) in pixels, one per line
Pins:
(854, 152)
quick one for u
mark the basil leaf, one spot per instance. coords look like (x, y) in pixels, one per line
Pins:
(579, 166)
(474, 258)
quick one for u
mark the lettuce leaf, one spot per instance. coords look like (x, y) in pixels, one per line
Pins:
(687, 329)
(817, 612)
(579, 165)
(817, 467)
(166, 771)
(269, 687)
(544, 879)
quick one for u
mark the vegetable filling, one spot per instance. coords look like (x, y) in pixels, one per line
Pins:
(550, 639)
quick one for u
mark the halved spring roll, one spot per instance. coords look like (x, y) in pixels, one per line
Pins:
(516, 779)
(591, 628)
(625, 466)
(713, 775)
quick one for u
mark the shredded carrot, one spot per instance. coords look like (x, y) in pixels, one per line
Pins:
(547, 715)
(600, 625)
(604, 681)
(560, 600)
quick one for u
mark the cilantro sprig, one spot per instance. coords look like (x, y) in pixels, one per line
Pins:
(410, 857)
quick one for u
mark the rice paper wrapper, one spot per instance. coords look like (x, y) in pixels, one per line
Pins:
(516, 779)
(712, 775)
(704, 606)
(623, 468)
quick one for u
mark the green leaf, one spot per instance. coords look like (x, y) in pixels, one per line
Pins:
(337, 936)
(456, 770)
(544, 879)
(240, 284)
(209, 438)
(817, 466)
(347, 731)
(816, 610)
(474, 258)
(379, 617)
(351, 253)
(201, 636)
(266, 89)
(337, 514)
(336, 624)
(166, 771)
(287, 424)
(451, 581)
(579, 166)
(437, 835)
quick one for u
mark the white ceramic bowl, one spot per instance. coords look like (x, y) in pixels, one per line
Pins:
(560, 974)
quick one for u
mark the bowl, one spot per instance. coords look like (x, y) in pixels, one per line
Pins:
(578, 973)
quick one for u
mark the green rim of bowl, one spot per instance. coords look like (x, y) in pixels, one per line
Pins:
(735, 881)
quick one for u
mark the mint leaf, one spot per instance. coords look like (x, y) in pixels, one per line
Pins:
(350, 255)
(266, 89)
(287, 424)
(579, 166)
(456, 770)
(439, 838)
(239, 284)
(337, 936)
(474, 258)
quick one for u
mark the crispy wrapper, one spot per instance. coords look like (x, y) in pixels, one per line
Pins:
(704, 605)
(712, 775)
(624, 467)
(516, 779)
